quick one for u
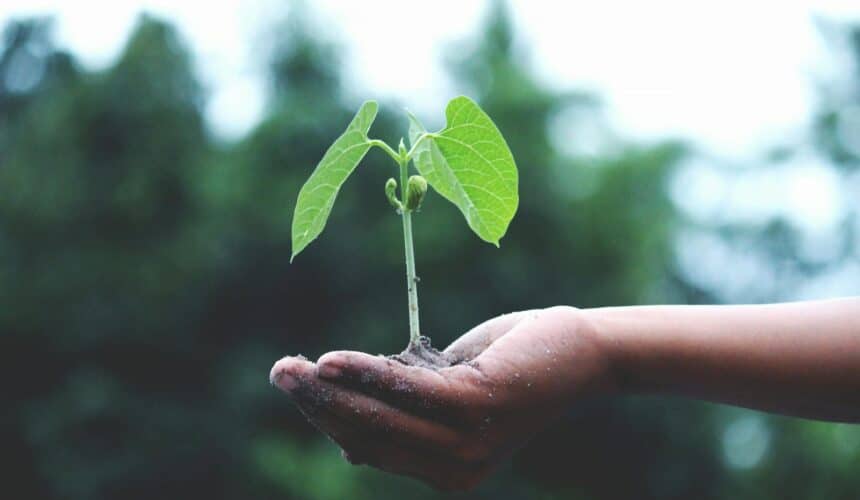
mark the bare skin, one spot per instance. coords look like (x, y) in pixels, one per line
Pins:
(520, 371)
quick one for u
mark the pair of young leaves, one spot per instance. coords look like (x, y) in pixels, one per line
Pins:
(468, 162)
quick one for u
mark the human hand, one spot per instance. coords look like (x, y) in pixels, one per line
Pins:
(451, 427)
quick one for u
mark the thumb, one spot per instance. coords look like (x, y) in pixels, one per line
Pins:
(478, 339)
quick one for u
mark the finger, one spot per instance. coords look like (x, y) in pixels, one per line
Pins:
(289, 372)
(476, 340)
(362, 447)
(374, 417)
(446, 471)
(421, 391)
(361, 412)
(456, 468)
(443, 470)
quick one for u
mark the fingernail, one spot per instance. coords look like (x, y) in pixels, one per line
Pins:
(284, 381)
(328, 370)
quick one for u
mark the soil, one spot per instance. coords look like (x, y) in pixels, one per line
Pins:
(424, 355)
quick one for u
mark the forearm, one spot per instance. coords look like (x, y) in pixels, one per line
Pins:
(797, 358)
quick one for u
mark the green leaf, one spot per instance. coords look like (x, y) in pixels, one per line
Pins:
(319, 192)
(469, 163)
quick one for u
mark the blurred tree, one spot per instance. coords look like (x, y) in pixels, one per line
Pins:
(837, 124)
(775, 258)
(103, 272)
(146, 288)
(30, 66)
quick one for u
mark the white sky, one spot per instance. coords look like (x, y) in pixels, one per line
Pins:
(732, 76)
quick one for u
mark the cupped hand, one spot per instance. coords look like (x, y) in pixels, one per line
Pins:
(451, 427)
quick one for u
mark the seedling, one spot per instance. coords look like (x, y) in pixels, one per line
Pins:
(467, 162)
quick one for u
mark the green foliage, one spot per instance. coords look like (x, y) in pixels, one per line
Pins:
(469, 163)
(318, 194)
(145, 291)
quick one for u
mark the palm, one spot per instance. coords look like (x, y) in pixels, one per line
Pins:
(450, 427)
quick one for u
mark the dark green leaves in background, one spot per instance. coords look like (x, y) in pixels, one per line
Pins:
(146, 289)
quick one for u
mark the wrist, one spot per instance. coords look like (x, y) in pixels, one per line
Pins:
(612, 341)
(589, 365)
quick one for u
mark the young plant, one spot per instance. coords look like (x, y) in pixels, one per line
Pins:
(467, 162)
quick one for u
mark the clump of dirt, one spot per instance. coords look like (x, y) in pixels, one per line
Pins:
(424, 355)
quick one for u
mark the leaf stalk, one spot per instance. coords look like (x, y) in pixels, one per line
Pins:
(411, 277)
(385, 147)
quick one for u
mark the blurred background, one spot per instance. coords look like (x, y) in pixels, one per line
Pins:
(151, 153)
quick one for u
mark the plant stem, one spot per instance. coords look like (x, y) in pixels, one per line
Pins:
(411, 278)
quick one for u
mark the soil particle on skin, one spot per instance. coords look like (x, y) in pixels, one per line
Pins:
(368, 377)
(423, 355)
(313, 397)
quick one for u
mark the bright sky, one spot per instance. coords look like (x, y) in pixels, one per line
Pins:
(730, 75)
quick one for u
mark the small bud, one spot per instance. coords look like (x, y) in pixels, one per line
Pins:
(401, 149)
(416, 188)
(390, 193)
